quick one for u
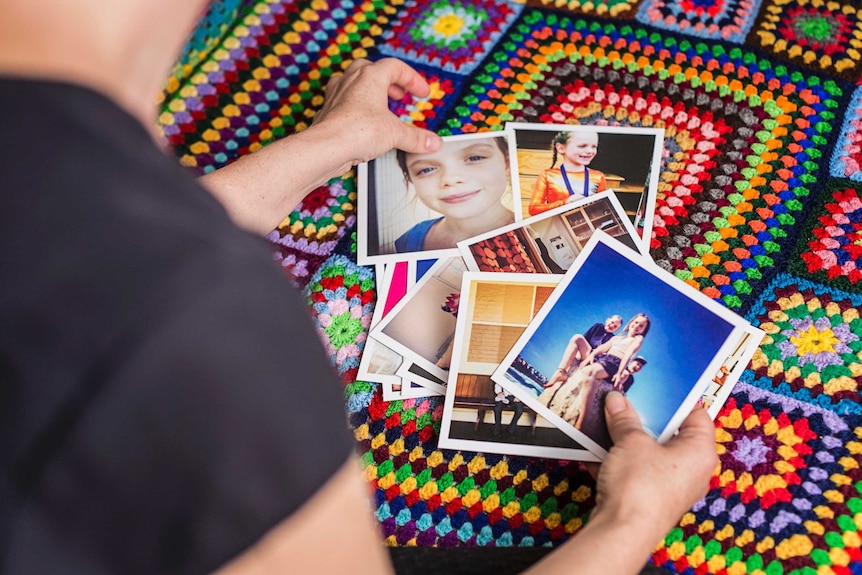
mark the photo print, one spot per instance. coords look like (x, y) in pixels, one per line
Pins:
(380, 363)
(421, 326)
(549, 242)
(722, 382)
(618, 321)
(418, 206)
(553, 164)
(422, 377)
(479, 414)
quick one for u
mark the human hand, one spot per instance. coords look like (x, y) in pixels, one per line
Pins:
(648, 484)
(356, 106)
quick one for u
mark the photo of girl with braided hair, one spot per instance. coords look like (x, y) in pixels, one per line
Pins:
(572, 179)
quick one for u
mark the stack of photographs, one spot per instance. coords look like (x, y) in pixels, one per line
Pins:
(514, 279)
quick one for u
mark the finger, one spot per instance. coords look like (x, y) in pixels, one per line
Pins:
(695, 441)
(404, 77)
(621, 418)
(415, 140)
(697, 429)
(356, 64)
(593, 468)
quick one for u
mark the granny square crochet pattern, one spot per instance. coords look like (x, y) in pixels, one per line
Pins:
(847, 157)
(454, 36)
(728, 20)
(613, 8)
(759, 207)
(831, 244)
(824, 35)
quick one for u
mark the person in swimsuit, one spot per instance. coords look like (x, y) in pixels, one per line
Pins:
(604, 361)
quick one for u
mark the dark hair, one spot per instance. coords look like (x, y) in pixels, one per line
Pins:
(560, 138)
(401, 157)
(640, 359)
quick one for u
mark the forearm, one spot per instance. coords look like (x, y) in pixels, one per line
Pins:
(259, 190)
(604, 545)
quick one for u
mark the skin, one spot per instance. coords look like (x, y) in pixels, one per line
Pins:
(632, 368)
(634, 331)
(125, 50)
(578, 152)
(579, 347)
(465, 181)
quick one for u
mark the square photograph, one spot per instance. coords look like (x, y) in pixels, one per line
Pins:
(555, 164)
(719, 387)
(421, 326)
(478, 414)
(418, 206)
(422, 377)
(378, 360)
(550, 242)
(617, 321)
(380, 363)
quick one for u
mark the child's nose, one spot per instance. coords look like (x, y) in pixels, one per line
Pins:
(452, 176)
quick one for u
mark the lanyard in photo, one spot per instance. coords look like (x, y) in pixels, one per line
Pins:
(569, 185)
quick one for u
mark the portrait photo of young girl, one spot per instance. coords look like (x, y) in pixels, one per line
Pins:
(559, 164)
(418, 206)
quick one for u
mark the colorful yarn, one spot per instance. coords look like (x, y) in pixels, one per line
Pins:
(822, 35)
(342, 297)
(787, 497)
(742, 137)
(831, 244)
(813, 345)
(758, 208)
(266, 79)
(309, 234)
(847, 157)
(728, 20)
(454, 36)
(612, 8)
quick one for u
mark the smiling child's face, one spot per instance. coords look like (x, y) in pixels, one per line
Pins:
(463, 179)
(580, 149)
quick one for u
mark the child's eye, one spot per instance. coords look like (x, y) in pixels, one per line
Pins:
(424, 171)
(476, 158)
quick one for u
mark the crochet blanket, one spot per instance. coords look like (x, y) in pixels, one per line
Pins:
(759, 207)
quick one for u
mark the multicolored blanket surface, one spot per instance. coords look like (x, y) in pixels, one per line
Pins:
(759, 207)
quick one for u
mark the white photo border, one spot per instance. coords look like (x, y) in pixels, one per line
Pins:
(363, 221)
(658, 134)
(697, 388)
(458, 349)
(470, 260)
(409, 354)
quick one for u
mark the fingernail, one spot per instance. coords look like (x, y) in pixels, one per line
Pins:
(431, 142)
(615, 402)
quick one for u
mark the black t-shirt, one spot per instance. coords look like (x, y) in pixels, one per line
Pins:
(164, 397)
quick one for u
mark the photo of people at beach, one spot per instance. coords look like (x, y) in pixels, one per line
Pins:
(617, 322)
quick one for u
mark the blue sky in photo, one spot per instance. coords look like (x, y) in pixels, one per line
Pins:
(682, 339)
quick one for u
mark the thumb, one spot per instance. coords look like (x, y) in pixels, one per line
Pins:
(621, 417)
(416, 140)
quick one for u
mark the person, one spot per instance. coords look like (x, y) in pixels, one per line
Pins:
(166, 405)
(573, 179)
(627, 375)
(465, 180)
(605, 360)
(579, 348)
(501, 398)
(588, 417)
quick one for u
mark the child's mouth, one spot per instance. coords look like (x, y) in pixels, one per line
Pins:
(459, 198)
